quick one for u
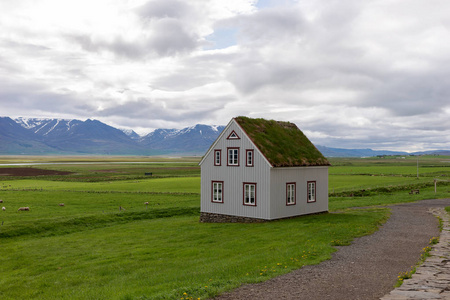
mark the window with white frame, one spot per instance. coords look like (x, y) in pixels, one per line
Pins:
(311, 191)
(249, 157)
(217, 157)
(290, 193)
(233, 156)
(250, 194)
(217, 191)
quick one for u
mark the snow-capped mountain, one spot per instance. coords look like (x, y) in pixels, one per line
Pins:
(48, 127)
(131, 133)
(196, 138)
(65, 136)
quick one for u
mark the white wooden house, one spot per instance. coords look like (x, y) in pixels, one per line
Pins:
(261, 169)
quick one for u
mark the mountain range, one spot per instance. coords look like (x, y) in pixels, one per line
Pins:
(37, 136)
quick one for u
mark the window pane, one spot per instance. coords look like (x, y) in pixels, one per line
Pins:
(217, 191)
(290, 193)
(311, 191)
(249, 194)
(249, 158)
(233, 156)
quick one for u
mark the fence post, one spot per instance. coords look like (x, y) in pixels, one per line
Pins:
(435, 181)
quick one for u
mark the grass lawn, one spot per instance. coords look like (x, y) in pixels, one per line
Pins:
(166, 257)
(92, 249)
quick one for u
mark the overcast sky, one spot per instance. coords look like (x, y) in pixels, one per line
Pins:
(350, 73)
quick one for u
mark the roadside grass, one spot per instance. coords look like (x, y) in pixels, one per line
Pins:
(387, 198)
(171, 258)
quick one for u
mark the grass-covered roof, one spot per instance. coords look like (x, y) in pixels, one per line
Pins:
(282, 143)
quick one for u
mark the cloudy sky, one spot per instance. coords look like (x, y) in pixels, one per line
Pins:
(350, 73)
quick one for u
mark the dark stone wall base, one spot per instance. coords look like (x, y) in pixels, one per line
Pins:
(219, 218)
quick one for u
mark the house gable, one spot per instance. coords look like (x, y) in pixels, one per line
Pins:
(230, 135)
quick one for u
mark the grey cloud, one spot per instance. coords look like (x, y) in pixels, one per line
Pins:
(144, 110)
(118, 46)
(163, 9)
(171, 38)
(167, 37)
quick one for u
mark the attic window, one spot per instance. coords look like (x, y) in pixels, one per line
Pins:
(233, 157)
(249, 157)
(217, 157)
(233, 136)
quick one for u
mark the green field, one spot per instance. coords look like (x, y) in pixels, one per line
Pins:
(106, 243)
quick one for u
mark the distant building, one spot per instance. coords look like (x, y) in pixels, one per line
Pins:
(261, 169)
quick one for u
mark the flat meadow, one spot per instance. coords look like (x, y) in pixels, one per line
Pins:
(107, 243)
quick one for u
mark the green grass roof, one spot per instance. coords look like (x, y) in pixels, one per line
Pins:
(282, 143)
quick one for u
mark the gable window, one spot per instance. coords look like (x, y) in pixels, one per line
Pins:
(249, 157)
(233, 157)
(311, 191)
(250, 194)
(290, 193)
(217, 157)
(217, 191)
(233, 136)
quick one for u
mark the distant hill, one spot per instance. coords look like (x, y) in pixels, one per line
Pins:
(40, 136)
(338, 152)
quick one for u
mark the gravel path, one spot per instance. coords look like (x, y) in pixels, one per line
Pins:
(367, 269)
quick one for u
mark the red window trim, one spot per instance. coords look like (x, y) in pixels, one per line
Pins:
(212, 191)
(295, 193)
(228, 156)
(220, 157)
(246, 157)
(243, 193)
(307, 191)
(233, 138)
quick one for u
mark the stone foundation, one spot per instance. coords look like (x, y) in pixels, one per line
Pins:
(219, 218)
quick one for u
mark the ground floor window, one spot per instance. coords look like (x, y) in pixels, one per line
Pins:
(311, 191)
(250, 194)
(217, 191)
(290, 193)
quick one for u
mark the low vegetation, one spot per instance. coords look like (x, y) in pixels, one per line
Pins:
(122, 234)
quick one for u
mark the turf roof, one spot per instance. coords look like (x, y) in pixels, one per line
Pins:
(282, 143)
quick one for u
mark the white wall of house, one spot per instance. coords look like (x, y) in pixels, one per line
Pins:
(300, 176)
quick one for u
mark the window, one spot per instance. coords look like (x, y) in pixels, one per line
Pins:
(233, 136)
(290, 193)
(250, 194)
(249, 158)
(233, 156)
(217, 157)
(311, 191)
(217, 191)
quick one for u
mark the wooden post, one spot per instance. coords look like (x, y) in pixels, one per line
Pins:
(435, 181)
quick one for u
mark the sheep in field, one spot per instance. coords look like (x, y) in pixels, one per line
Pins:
(23, 208)
(1, 201)
(61, 204)
(3, 208)
(146, 203)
